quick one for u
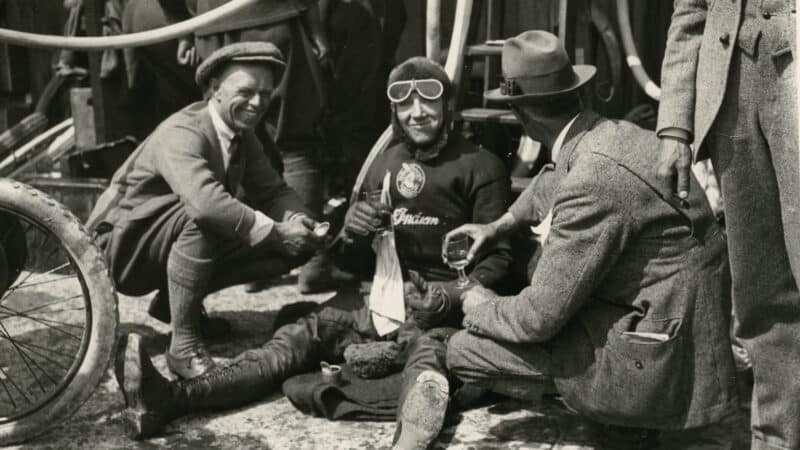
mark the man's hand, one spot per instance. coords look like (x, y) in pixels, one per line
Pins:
(480, 234)
(475, 296)
(428, 302)
(421, 295)
(363, 219)
(674, 165)
(296, 237)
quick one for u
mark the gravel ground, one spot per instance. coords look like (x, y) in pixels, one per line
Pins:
(274, 423)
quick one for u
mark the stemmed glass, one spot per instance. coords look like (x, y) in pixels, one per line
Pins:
(454, 254)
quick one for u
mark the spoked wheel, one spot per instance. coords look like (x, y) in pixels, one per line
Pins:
(58, 313)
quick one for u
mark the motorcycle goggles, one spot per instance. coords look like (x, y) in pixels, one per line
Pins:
(428, 88)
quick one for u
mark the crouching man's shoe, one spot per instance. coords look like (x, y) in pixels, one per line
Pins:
(149, 397)
(192, 365)
(422, 413)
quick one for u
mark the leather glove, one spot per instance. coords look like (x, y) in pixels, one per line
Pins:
(429, 302)
(363, 219)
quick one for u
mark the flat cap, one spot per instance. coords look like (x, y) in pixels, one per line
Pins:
(257, 52)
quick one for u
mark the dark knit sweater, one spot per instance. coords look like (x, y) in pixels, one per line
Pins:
(463, 184)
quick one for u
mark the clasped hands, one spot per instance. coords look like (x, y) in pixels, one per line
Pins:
(296, 237)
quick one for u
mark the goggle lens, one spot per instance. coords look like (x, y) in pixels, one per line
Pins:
(429, 89)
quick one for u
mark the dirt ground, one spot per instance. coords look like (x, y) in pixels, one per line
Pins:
(274, 423)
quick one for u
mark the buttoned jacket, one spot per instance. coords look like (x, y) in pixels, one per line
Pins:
(631, 293)
(182, 161)
(700, 44)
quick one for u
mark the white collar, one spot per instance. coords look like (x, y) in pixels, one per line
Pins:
(560, 139)
(224, 132)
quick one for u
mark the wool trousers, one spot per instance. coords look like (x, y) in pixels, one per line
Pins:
(523, 371)
(753, 144)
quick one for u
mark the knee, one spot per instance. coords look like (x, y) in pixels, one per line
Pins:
(195, 241)
(458, 349)
(425, 346)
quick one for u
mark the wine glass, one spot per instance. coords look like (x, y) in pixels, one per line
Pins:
(454, 253)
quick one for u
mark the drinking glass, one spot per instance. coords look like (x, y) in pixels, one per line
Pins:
(373, 197)
(454, 253)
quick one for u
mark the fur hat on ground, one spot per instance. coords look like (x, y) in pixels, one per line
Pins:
(246, 52)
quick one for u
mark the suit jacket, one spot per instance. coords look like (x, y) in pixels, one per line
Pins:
(620, 258)
(700, 45)
(182, 161)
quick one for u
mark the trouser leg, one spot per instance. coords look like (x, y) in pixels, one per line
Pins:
(294, 348)
(756, 161)
(426, 352)
(518, 371)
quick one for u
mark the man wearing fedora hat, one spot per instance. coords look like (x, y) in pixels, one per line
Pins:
(627, 311)
(198, 206)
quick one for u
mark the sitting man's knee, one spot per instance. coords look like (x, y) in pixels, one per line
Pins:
(458, 349)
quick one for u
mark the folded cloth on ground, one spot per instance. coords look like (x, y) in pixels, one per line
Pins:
(353, 398)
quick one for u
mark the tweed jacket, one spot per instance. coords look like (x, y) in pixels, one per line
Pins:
(182, 161)
(621, 259)
(700, 45)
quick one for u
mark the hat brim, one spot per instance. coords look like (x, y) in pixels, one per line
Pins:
(584, 74)
(276, 64)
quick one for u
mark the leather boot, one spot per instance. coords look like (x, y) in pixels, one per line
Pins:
(150, 399)
(422, 412)
(252, 376)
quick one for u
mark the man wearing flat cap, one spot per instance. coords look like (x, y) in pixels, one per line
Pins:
(197, 206)
(628, 309)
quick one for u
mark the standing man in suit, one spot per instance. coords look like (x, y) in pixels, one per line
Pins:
(198, 206)
(628, 309)
(728, 87)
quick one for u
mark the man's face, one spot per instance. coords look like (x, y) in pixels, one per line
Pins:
(420, 118)
(242, 93)
(528, 120)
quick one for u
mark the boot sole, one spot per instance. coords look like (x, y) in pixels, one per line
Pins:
(423, 412)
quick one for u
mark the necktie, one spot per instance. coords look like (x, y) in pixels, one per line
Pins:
(233, 163)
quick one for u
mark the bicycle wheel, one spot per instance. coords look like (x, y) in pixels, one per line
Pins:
(58, 313)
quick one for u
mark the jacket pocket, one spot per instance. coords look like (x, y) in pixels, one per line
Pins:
(642, 374)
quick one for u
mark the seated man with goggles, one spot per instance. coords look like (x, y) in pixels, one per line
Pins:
(438, 181)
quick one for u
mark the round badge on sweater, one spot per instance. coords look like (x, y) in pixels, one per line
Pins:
(410, 180)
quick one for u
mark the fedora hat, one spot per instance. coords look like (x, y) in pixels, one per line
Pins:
(535, 65)
(259, 52)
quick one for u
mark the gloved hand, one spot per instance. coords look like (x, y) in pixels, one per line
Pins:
(429, 302)
(363, 219)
